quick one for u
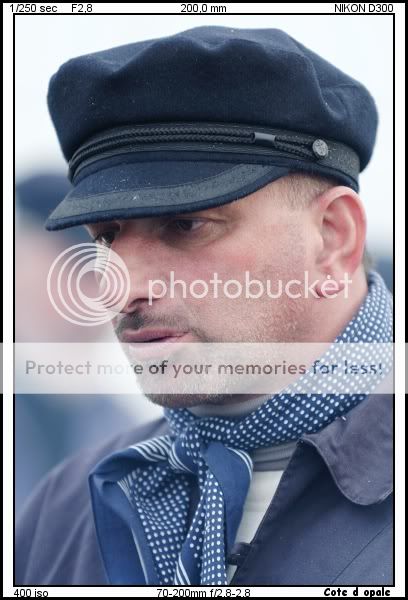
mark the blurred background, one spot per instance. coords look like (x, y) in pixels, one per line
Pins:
(48, 428)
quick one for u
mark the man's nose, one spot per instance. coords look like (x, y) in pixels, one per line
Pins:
(141, 262)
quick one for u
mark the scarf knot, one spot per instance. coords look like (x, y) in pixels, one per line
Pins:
(198, 440)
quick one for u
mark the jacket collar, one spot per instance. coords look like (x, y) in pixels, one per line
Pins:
(358, 450)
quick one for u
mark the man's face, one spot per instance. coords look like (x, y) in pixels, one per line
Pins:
(259, 234)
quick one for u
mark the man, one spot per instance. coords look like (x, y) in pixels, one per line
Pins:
(228, 151)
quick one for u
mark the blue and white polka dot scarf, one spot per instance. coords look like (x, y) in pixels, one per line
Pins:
(141, 495)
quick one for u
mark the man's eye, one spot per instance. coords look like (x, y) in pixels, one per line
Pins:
(105, 238)
(185, 225)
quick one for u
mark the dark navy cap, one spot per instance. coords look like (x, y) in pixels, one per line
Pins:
(199, 119)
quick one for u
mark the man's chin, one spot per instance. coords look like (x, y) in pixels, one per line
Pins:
(188, 400)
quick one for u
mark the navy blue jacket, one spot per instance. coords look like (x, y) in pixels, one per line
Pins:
(329, 522)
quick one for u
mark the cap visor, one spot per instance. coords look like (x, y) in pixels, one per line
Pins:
(146, 189)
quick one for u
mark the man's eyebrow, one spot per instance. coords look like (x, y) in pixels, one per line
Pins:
(223, 210)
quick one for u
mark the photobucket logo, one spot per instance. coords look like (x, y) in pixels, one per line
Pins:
(250, 288)
(68, 288)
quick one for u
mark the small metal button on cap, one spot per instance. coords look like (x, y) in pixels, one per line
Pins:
(320, 148)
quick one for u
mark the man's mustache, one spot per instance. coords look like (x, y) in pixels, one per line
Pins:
(138, 321)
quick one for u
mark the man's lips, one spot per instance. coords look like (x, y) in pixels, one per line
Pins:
(149, 344)
(150, 335)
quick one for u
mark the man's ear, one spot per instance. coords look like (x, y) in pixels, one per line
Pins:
(342, 226)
